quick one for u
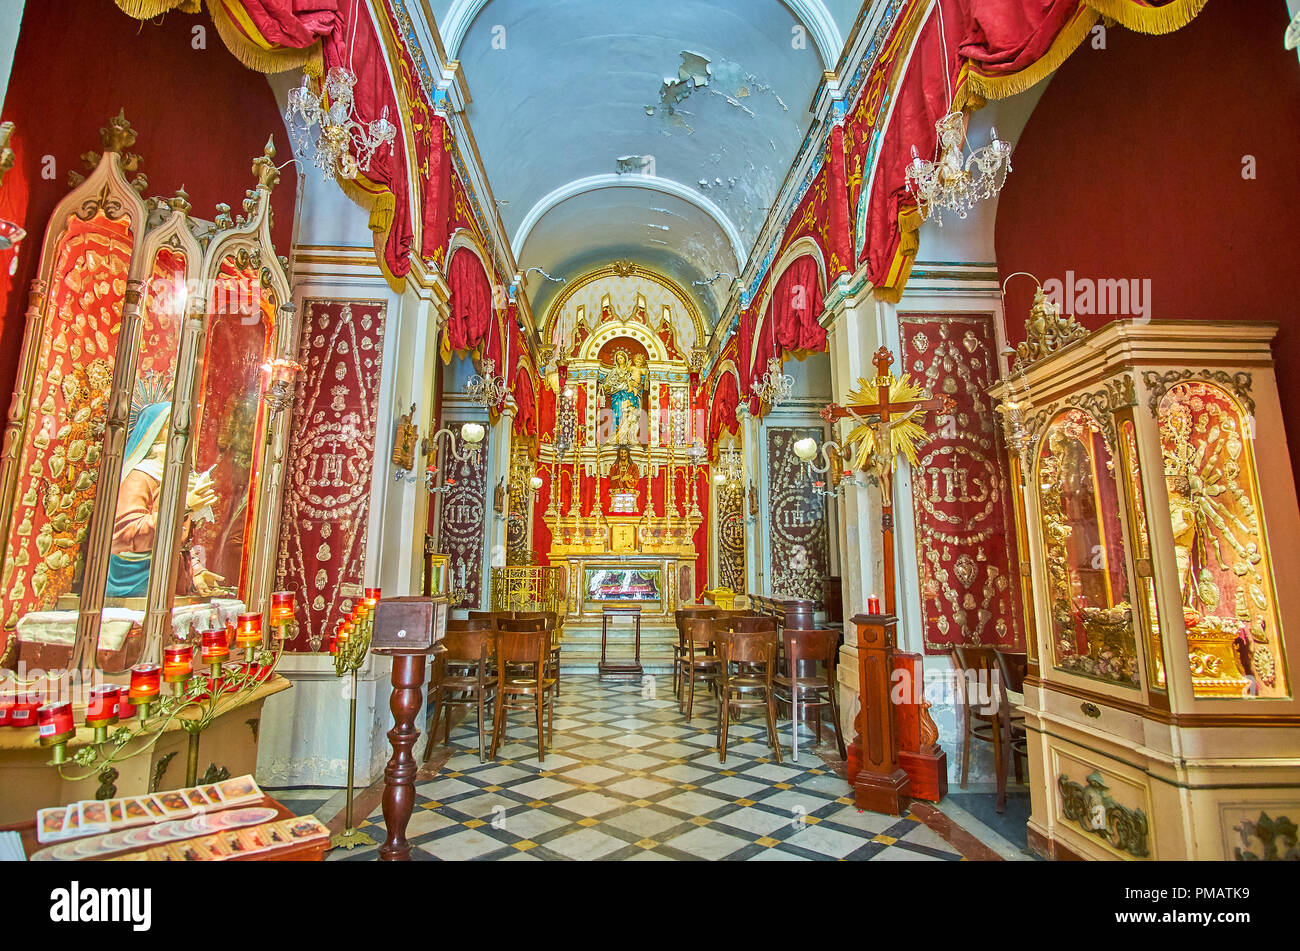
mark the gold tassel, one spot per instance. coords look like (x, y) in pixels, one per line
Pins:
(278, 60)
(381, 212)
(1150, 20)
(909, 241)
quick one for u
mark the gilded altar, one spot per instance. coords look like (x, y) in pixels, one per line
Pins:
(1154, 472)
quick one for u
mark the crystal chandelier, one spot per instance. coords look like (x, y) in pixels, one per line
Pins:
(774, 387)
(956, 181)
(488, 389)
(729, 473)
(345, 145)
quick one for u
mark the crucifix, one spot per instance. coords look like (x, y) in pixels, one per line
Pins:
(887, 409)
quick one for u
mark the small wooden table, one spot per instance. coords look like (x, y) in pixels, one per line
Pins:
(619, 670)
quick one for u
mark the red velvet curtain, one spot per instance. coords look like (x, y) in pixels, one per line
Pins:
(471, 302)
(294, 23)
(723, 415)
(526, 416)
(796, 307)
(1006, 36)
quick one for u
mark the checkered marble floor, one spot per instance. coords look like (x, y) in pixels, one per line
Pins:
(629, 779)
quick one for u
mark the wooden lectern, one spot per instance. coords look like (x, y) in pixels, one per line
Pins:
(408, 630)
(880, 783)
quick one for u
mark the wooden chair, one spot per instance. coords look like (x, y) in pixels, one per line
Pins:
(466, 681)
(1011, 725)
(976, 667)
(680, 616)
(753, 654)
(750, 623)
(813, 647)
(552, 625)
(522, 683)
(699, 659)
(487, 615)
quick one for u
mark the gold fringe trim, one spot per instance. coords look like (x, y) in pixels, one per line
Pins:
(149, 9)
(381, 212)
(909, 242)
(277, 60)
(1151, 20)
(1000, 87)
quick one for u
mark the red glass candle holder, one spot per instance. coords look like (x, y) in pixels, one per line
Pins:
(873, 605)
(102, 709)
(334, 644)
(372, 596)
(125, 708)
(215, 646)
(344, 633)
(6, 711)
(54, 720)
(24, 713)
(178, 663)
(281, 607)
(145, 683)
(248, 633)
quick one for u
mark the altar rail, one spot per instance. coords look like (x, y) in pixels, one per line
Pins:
(529, 588)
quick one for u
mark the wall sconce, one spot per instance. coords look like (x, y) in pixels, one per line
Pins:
(281, 373)
(471, 438)
(806, 451)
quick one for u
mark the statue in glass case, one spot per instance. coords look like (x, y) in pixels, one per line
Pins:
(135, 523)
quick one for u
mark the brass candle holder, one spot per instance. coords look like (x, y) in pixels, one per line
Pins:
(351, 646)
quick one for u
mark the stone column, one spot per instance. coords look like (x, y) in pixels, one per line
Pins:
(855, 324)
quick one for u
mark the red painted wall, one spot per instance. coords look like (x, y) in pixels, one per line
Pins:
(1131, 167)
(200, 115)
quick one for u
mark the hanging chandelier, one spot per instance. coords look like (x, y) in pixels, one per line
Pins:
(774, 387)
(957, 181)
(487, 389)
(345, 144)
(729, 473)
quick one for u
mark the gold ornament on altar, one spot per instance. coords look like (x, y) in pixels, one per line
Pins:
(1046, 331)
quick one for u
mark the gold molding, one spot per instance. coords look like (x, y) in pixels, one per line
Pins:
(621, 269)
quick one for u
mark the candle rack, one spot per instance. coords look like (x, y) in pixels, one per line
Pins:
(195, 700)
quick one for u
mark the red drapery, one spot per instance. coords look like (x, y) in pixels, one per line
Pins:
(471, 302)
(723, 414)
(790, 326)
(526, 415)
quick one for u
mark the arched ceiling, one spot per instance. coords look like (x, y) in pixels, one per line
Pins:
(653, 132)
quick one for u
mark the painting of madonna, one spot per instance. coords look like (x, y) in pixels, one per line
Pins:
(136, 520)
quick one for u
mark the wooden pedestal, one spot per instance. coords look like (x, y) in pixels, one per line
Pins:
(919, 754)
(399, 775)
(880, 783)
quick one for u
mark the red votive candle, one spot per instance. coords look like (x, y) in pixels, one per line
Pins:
(334, 644)
(215, 646)
(54, 720)
(24, 713)
(144, 683)
(873, 605)
(125, 708)
(248, 633)
(281, 607)
(345, 631)
(372, 596)
(6, 711)
(102, 709)
(178, 663)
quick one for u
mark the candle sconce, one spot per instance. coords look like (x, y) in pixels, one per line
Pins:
(471, 439)
(194, 701)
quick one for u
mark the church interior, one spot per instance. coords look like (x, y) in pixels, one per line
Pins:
(774, 430)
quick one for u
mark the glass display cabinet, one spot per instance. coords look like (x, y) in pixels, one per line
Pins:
(1154, 471)
(141, 472)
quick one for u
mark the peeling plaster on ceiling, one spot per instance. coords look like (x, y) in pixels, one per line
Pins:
(709, 98)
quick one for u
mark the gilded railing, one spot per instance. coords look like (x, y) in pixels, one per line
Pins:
(529, 588)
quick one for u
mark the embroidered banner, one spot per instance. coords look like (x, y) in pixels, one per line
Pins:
(731, 540)
(464, 513)
(799, 544)
(332, 449)
(962, 510)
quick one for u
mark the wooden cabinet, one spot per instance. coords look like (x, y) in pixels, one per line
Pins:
(1163, 721)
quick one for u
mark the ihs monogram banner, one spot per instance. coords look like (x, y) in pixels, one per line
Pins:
(327, 502)
(800, 559)
(960, 496)
(464, 513)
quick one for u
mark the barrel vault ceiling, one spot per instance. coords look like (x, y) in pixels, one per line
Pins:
(657, 132)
